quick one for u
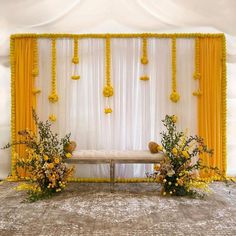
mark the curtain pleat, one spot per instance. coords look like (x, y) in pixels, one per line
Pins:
(24, 99)
(210, 107)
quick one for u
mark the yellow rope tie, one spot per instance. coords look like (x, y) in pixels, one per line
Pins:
(108, 89)
(35, 71)
(13, 107)
(75, 59)
(144, 57)
(53, 97)
(174, 96)
(197, 74)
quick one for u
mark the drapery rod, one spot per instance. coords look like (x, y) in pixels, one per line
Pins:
(117, 35)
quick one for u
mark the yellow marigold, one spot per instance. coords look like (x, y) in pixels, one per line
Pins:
(52, 118)
(200, 148)
(35, 72)
(157, 167)
(50, 165)
(75, 77)
(144, 78)
(159, 147)
(197, 75)
(107, 110)
(45, 157)
(174, 118)
(108, 91)
(53, 98)
(185, 154)
(75, 60)
(56, 160)
(68, 155)
(174, 151)
(144, 60)
(174, 97)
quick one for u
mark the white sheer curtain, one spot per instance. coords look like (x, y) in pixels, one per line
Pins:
(138, 106)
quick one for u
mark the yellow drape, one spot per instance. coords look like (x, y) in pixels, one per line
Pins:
(24, 100)
(211, 107)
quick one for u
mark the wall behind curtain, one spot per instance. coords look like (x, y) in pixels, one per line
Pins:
(138, 106)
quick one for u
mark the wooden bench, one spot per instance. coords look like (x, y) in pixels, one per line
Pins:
(113, 157)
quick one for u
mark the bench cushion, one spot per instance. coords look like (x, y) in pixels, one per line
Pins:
(118, 156)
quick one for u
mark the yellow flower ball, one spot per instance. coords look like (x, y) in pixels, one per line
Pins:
(107, 110)
(144, 60)
(174, 118)
(45, 157)
(53, 98)
(185, 154)
(159, 148)
(108, 91)
(68, 155)
(56, 160)
(75, 60)
(50, 165)
(157, 167)
(174, 151)
(52, 118)
(174, 97)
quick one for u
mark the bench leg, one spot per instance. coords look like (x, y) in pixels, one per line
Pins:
(112, 176)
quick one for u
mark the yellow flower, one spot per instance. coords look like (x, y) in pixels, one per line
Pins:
(159, 147)
(180, 182)
(157, 167)
(52, 118)
(53, 97)
(35, 72)
(144, 78)
(174, 97)
(56, 160)
(45, 157)
(75, 60)
(108, 91)
(200, 148)
(36, 91)
(68, 155)
(75, 77)
(174, 118)
(50, 165)
(144, 60)
(107, 110)
(185, 154)
(174, 151)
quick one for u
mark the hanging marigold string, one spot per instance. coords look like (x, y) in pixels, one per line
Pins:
(53, 97)
(174, 97)
(35, 71)
(144, 57)
(75, 59)
(197, 74)
(108, 89)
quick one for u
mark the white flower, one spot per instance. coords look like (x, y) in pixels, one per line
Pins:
(170, 172)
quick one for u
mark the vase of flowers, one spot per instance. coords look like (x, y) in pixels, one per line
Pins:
(178, 172)
(44, 160)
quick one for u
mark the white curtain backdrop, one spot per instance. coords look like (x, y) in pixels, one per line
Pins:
(138, 106)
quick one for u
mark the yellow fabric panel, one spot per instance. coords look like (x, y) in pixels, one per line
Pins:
(24, 85)
(210, 106)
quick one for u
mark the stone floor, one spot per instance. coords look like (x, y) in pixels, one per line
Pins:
(133, 209)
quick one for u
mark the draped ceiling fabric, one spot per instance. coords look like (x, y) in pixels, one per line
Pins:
(82, 16)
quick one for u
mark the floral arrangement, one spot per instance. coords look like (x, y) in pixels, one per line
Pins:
(44, 160)
(178, 172)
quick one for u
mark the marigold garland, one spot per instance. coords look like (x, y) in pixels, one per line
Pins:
(52, 118)
(13, 107)
(144, 58)
(75, 77)
(174, 96)
(53, 97)
(108, 89)
(197, 59)
(144, 78)
(35, 71)
(75, 59)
